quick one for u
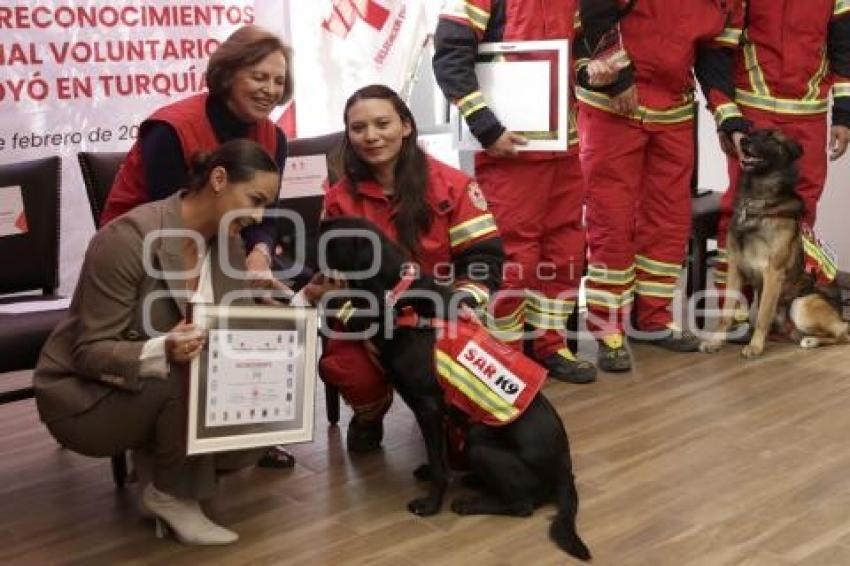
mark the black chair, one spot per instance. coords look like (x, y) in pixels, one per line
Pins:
(99, 170)
(30, 263)
(705, 215)
(310, 210)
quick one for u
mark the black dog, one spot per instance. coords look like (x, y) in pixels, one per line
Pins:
(520, 465)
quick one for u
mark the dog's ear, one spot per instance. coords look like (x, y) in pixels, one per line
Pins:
(794, 149)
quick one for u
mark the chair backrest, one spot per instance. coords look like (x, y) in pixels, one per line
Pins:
(309, 208)
(31, 260)
(99, 170)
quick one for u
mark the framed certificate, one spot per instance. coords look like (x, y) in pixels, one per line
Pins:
(254, 383)
(525, 84)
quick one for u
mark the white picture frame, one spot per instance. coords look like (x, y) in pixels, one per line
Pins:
(514, 78)
(295, 422)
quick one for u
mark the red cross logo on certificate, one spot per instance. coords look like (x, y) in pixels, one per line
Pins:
(346, 12)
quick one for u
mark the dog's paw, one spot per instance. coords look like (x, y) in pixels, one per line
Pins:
(423, 473)
(808, 342)
(463, 505)
(751, 352)
(424, 506)
(710, 346)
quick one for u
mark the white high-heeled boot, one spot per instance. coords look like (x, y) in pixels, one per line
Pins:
(185, 518)
(142, 474)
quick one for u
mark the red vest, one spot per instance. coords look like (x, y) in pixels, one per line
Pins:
(484, 378)
(189, 119)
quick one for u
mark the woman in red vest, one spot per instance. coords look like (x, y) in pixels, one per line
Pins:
(436, 213)
(248, 76)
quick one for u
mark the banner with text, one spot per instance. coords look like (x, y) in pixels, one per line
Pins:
(81, 75)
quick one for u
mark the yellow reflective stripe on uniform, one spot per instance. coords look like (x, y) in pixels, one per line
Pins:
(841, 89)
(670, 116)
(479, 294)
(725, 111)
(609, 299)
(655, 289)
(582, 63)
(780, 105)
(609, 276)
(544, 304)
(546, 313)
(345, 312)
(814, 83)
(757, 80)
(814, 251)
(471, 386)
(655, 267)
(729, 36)
(471, 103)
(572, 131)
(466, 10)
(509, 321)
(721, 264)
(545, 321)
(471, 229)
(841, 7)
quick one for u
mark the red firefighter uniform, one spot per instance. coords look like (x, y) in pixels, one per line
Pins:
(461, 239)
(536, 197)
(637, 167)
(791, 56)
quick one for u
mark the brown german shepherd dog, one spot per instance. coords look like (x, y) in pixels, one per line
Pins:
(765, 248)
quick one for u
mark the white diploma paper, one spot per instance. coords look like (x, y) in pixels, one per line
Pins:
(304, 176)
(518, 87)
(12, 218)
(518, 92)
(251, 376)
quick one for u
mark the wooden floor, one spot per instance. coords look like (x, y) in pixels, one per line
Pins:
(690, 460)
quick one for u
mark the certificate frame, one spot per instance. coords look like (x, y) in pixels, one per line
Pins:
(297, 422)
(498, 54)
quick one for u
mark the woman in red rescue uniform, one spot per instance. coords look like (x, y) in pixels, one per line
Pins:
(790, 56)
(436, 213)
(637, 156)
(536, 196)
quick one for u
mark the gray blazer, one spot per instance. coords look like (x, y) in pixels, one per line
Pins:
(95, 351)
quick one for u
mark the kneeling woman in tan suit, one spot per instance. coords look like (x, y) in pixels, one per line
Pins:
(110, 378)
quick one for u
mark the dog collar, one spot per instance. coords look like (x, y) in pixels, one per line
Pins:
(403, 285)
(409, 318)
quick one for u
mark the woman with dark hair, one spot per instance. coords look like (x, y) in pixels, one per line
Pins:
(248, 76)
(110, 377)
(436, 213)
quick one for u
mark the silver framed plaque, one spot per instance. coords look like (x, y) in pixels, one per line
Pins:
(254, 383)
(526, 84)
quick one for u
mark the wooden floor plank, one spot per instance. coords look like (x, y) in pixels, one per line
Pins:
(690, 459)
